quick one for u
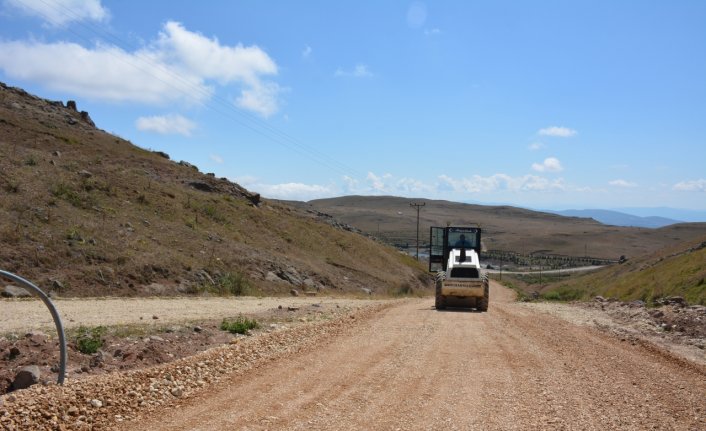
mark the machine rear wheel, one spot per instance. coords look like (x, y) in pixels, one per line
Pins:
(440, 301)
(483, 303)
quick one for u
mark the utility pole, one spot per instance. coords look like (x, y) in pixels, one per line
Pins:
(418, 206)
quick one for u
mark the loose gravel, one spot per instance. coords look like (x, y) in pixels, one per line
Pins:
(101, 402)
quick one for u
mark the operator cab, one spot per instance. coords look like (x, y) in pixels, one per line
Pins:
(445, 239)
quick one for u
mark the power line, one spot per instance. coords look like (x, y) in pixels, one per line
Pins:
(418, 206)
(244, 119)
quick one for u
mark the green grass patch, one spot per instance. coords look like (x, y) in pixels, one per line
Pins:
(232, 283)
(563, 293)
(89, 340)
(241, 325)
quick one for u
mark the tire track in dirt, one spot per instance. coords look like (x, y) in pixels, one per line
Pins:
(411, 367)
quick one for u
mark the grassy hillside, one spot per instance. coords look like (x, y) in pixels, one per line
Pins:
(675, 271)
(504, 228)
(83, 212)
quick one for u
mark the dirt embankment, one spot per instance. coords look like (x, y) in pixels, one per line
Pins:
(405, 366)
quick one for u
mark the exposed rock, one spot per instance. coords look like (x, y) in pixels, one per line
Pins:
(14, 352)
(56, 154)
(56, 284)
(204, 187)
(156, 289)
(85, 174)
(366, 290)
(291, 275)
(204, 276)
(155, 317)
(26, 377)
(87, 119)
(11, 291)
(71, 104)
(599, 299)
(188, 165)
(96, 403)
(294, 292)
(271, 276)
(177, 392)
(311, 284)
(198, 329)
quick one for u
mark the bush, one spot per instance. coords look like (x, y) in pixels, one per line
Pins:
(233, 283)
(89, 340)
(241, 325)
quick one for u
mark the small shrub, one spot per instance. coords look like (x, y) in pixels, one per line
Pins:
(12, 187)
(31, 161)
(233, 283)
(241, 325)
(89, 340)
(66, 192)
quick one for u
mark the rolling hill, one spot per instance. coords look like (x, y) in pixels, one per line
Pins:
(617, 218)
(86, 213)
(504, 227)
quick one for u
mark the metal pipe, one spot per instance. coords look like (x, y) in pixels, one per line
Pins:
(54, 314)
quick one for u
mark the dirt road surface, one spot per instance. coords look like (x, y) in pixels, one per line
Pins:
(411, 367)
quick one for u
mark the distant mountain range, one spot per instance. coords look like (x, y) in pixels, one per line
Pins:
(616, 218)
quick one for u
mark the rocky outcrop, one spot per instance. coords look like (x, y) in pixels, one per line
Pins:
(26, 377)
(11, 291)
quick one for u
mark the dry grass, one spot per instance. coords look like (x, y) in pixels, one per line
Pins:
(105, 217)
(679, 271)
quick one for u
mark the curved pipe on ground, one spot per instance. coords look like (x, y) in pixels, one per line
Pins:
(54, 314)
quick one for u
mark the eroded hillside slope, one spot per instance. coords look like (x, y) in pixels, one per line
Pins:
(83, 212)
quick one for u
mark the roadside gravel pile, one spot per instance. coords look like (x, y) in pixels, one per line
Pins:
(97, 402)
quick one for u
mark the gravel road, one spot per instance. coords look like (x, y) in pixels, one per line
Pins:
(28, 315)
(411, 367)
(394, 366)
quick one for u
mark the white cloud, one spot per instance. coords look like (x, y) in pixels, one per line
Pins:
(306, 52)
(691, 186)
(293, 191)
(416, 15)
(58, 13)
(179, 66)
(432, 32)
(350, 185)
(359, 71)
(498, 182)
(534, 146)
(216, 158)
(622, 183)
(561, 132)
(166, 124)
(377, 183)
(260, 98)
(550, 164)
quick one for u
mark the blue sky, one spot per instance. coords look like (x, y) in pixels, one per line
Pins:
(543, 104)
